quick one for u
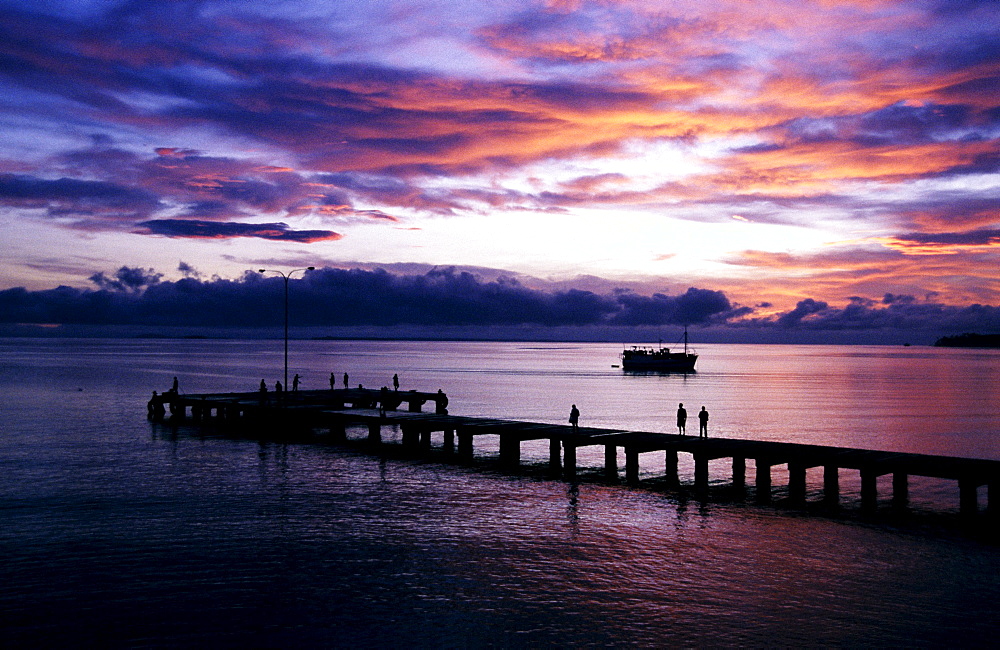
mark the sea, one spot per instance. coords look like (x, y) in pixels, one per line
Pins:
(116, 532)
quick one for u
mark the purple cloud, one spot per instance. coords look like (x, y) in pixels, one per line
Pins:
(194, 229)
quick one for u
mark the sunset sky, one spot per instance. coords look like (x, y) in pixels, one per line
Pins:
(802, 160)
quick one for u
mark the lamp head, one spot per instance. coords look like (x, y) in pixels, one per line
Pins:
(262, 270)
(310, 268)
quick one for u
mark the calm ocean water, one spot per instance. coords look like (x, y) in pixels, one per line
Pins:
(120, 533)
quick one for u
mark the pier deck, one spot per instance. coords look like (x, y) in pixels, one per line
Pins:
(335, 410)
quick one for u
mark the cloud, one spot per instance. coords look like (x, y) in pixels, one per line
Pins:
(945, 243)
(126, 279)
(190, 228)
(695, 306)
(805, 309)
(345, 297)
(894, 315)
(964, 272)
(71, 197)
(449, 298)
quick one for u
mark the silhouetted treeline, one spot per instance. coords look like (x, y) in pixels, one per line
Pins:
(969, 340)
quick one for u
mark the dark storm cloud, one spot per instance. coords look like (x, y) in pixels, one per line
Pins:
(805, 308)
(195, 229)
(335, 297)
(127, 279)
(355, 297)
(695, 306)
(893, 313)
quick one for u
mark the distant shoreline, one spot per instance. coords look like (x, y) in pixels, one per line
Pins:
(969, 340)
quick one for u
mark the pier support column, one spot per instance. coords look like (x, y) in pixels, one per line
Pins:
(411, 437)
(465, 445)
(555, 457)
(993, 499)
(796, 483)
(739, 474)
(611, 462)
(338, 432)
(449, 441)
(869, 490)
(900, 489)
(968, 499)
(510, 450)
(631, 466)
(670, 467)
(374, 433)
(569, 459)
(701, 473)
(763, 480)
(831, 485)
(425, 440)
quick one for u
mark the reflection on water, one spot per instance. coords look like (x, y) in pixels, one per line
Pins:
(121, 533)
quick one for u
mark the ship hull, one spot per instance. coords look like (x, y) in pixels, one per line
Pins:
(671, 363)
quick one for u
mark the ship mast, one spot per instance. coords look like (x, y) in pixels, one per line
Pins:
(685, 340)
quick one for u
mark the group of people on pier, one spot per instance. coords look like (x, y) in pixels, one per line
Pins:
(682, 416)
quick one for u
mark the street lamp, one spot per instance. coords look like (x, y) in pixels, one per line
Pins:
(286, 277)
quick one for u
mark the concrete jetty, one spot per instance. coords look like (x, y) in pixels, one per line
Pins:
(276, 416)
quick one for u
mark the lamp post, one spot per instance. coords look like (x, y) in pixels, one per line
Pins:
(286, 277)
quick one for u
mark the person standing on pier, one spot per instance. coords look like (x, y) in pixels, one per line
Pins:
(295, 383)
(277, 390)
(345, 380)
(395, 382)
(702, 423)
(333, 382)
(574, 418)
(174, 387)
(682, 417)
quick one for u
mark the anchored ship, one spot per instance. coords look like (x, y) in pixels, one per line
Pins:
(639, 357)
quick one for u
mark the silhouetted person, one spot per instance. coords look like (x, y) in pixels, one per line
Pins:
(174, 387)
(263, 392)
(154, 408)
(702, 423)
(441, 402)
(682, 418)
(263, 386)
(395, 382)
(333, 381)
(295, 383)
(345, 380)
(277, 390)
(574, 418)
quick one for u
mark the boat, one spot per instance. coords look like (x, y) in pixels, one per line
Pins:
(638, 357)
